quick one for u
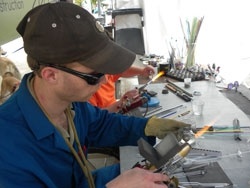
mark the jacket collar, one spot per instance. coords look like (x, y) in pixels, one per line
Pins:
(37, 121)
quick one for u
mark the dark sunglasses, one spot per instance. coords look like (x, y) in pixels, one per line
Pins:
(91, 79)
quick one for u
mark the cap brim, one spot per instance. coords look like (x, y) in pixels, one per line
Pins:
(112, 59)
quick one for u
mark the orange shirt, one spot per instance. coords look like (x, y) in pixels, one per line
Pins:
(105, 95)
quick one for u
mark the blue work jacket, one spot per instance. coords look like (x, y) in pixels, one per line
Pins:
(34, 154)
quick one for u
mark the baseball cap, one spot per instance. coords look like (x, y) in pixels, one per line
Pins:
(61, 33)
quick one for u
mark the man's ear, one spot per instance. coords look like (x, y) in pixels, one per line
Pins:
(50, 74)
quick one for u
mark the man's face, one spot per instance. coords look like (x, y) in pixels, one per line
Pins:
(74, 88)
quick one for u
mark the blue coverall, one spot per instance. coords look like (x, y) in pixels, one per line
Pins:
(34, 154)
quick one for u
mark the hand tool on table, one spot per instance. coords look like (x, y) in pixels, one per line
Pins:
(178, 88)
(165, 112)
(204, 185)
(178, 93)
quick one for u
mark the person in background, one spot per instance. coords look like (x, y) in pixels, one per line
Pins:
(45, 123)
(105, 95)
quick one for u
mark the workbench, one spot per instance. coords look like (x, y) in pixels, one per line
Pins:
(219, 112)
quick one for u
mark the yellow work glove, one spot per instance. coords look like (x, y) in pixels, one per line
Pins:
(160, 127)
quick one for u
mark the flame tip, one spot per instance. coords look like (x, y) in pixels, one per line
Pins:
(158, 75)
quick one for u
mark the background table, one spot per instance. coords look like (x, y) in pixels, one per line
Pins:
(218, 108)
(216, 105)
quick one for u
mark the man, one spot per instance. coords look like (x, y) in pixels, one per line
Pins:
(44, 125)
(105, 95)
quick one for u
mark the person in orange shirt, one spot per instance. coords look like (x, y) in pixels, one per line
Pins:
(105, 95)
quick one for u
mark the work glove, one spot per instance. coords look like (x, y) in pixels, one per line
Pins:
(160, 127)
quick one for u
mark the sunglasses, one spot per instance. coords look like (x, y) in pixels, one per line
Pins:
(91, 79)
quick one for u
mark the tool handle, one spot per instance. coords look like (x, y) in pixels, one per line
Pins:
(179, 89)
(183, 96)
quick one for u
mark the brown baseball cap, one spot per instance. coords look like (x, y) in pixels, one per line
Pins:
(61, 33)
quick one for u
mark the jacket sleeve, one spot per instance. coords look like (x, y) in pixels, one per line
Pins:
(104, 129)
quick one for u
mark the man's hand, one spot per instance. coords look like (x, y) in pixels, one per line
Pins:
(139, 178)
(160, 127)
(131, 94)
(148, 71)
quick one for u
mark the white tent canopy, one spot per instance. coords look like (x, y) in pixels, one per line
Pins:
(223, 38)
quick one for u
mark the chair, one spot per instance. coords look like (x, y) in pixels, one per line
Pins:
(127, 29)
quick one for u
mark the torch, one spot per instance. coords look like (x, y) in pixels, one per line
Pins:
(150, 81)
(140, 99)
